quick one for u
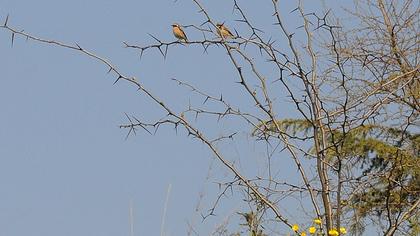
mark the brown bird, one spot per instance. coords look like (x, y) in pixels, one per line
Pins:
(224, 32)
(179, 33)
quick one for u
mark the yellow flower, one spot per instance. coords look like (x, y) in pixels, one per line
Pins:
(295, 227)
(343, 230)
(303, 234)
(312, 230)
(333, 232)
(317, 221)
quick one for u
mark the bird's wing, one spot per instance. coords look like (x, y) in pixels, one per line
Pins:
(183, 33)
(230, 33)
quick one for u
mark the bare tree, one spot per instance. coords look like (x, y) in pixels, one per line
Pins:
(355, 90)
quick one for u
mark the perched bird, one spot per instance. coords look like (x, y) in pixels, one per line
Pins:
(224, 32)
(179, 33)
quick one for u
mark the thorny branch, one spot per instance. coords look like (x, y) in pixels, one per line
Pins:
(180, 120)
(344, 83)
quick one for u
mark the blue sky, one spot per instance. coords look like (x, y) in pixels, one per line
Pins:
(65, 165)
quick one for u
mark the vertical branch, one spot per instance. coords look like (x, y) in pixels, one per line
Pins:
(131, 217)
(318, 126)
(393, 38)
(165, 208)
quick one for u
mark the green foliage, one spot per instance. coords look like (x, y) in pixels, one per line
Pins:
(387, 157)
(252, 223)
(414, 224)
(291, 126)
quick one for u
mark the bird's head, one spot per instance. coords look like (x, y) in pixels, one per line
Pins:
(175, 25)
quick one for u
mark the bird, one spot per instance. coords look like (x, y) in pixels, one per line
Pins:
(224, 32)
(179, 33)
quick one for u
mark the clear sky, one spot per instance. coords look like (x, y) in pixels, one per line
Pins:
(65, 166)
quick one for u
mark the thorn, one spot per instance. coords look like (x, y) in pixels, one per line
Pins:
(7, 19)
(138, 121)
(156, 130)
(134, 131)
(237, 34)
(141, 53)
(176, 127)
(205, 22)
(273, 42)
(328, 12)
(128, 117)
(13, 38)
(261, 31)
(119, 77)
(240, 20)
(160, 50)
(128, 134)
(154, 38)
(166, 52)
(207, 98)
(297, 8)
(205, 49)
(80, 48)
